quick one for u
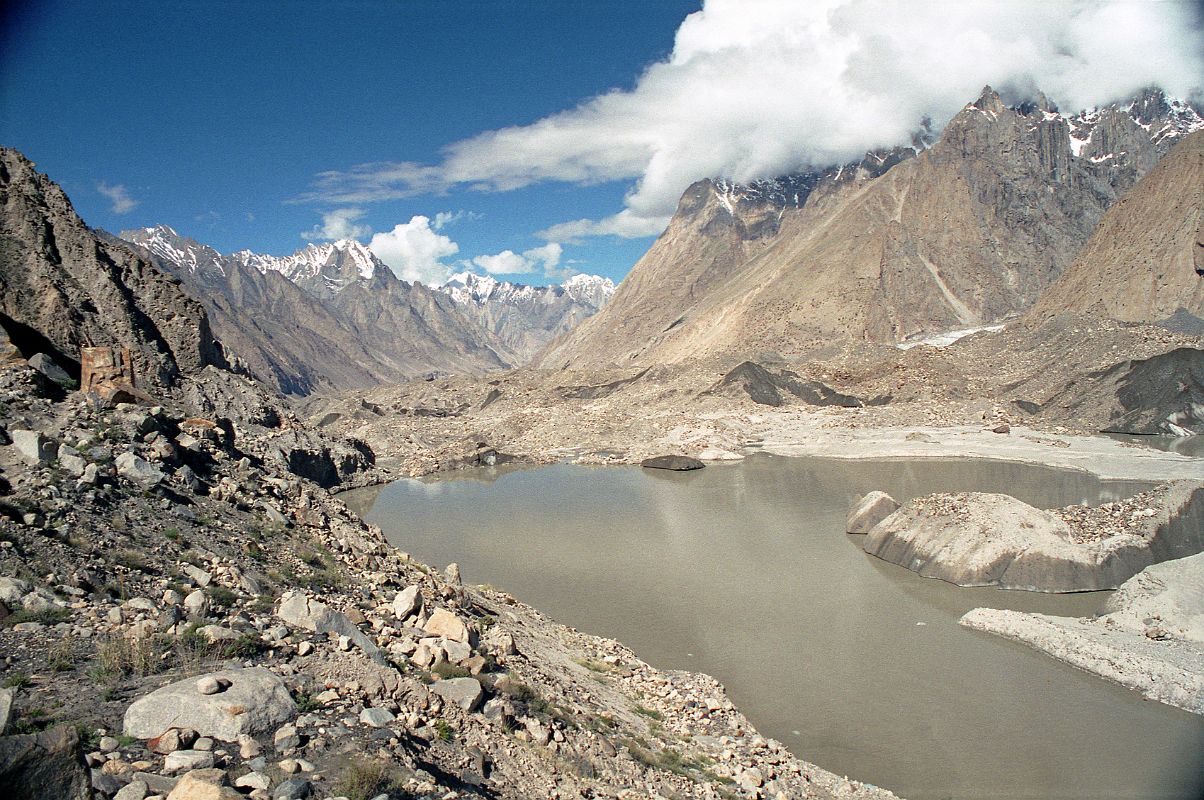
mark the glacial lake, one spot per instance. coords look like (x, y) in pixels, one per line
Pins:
(743, 571)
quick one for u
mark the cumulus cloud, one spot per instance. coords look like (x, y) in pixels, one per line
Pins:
(119, 196)
(415, 251)
(338, 224)
(755, 88)
(544, 259)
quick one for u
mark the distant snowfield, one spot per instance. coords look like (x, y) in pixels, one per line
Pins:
(947, 338)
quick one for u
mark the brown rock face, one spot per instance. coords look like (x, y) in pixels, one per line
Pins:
(108, 374)
(916, 241)
(1146, 258)
(61, 284)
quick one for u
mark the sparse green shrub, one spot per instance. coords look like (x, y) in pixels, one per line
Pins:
(118, 656)
(364, 779)
(131, 559)
(47, 616)
(61, 655)
(443, 730)
(221, 596)
(446, 670)
(245, 646)
(18, 680)
(648, 712)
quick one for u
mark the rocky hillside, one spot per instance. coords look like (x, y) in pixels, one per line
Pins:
(1146, 258)
(62, 288)
(186, 612)
(920, 239)
(329, 317)
(526, 318)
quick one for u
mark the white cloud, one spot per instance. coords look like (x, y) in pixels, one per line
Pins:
(338, 224)
(445, 218)
(755, 88)
(544, 259)
(625, 224)
(414, 251)
(119, 196)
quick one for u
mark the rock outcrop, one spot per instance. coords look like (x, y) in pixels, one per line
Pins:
(35, 766)
(977, 539)
(63, 288)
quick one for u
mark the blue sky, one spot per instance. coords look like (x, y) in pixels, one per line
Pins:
(527, 139)
(214, 116)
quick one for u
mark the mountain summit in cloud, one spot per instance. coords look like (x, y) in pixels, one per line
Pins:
(758, 88)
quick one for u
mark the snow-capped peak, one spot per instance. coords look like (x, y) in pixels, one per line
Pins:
(165, 243)
(468, 288)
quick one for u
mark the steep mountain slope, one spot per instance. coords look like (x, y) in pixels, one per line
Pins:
(61, 287)
(1146, 258)
(356, 325)
(526, 318)
(918, 240)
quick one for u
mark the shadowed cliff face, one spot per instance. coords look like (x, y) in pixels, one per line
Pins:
(58, 278)
(915, 240)
(329, 317)
(1145, 261)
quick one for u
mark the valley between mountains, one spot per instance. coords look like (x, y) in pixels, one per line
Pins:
(189, 609)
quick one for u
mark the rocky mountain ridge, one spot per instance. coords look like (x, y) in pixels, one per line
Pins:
(61, 288)
(963, 232)
(526, 318)
(1145, 261)
(328, 317)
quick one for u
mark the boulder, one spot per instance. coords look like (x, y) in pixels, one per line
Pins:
(6, 708)
(46, 365)
(675, 463)
(464, 692)
(184, 760)
(376, 717)
(445, 623)
(301, 611)
(36, 766)
(293, 789)
(13, 589)
(869, 510)
(408, 601)
(34, 447)
(138, 470)
(203, 784)
(134, 790)
(255, 702)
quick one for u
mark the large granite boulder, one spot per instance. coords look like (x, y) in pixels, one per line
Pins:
(37, 766)
(302, 611)
(977, 539)
(254, 701)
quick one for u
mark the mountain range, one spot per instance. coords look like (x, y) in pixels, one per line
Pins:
(332, 316)
(963, 231)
